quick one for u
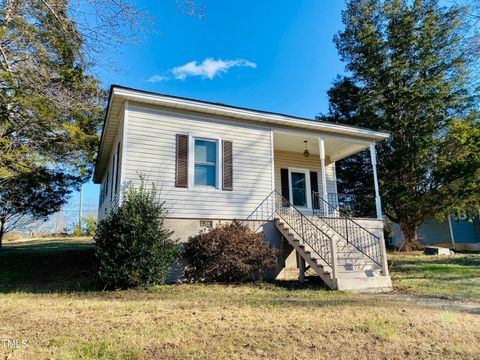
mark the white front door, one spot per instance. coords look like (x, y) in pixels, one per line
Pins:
(300, 190)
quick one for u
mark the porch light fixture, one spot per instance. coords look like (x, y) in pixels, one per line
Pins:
(306, 153)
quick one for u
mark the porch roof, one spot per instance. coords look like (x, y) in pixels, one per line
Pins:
(336, 147)
(120, 94)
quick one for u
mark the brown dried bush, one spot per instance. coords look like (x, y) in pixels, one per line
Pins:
(228, 253)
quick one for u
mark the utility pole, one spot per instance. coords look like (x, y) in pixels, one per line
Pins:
(452, 237)
(81, 206)
(59, 222)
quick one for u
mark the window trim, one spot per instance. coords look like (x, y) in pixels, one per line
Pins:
(308, 186)
(191, 161)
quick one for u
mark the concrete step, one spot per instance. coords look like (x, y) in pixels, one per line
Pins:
(364, 284)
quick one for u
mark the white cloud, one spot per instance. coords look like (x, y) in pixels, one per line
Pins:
(158, 78)
(207, 69)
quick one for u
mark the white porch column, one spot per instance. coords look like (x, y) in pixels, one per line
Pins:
(321, 142)
(378, 203)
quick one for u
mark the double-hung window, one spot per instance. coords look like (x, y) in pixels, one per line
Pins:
(205, 162)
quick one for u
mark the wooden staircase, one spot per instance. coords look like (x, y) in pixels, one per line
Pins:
(307, 253)
(340, 263)
(353, 271)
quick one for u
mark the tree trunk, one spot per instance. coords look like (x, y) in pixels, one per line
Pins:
(411, 239)
(2, 231)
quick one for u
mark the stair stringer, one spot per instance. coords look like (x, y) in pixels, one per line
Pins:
(322, 269)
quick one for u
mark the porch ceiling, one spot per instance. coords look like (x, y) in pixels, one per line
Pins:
(336, 148)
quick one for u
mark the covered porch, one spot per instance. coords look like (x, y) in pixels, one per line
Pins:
(304, 173)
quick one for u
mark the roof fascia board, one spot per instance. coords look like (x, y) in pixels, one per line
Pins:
(102, 134)
(324, 135)
(250, 114)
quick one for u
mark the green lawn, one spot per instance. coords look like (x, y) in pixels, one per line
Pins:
(454, 277)
(48, 299)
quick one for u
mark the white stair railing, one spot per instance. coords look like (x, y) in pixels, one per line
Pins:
(356, 235)
(275, 205)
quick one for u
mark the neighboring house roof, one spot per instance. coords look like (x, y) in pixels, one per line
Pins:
(120, 94)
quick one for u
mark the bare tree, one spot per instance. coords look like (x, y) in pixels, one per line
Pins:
(106, 23)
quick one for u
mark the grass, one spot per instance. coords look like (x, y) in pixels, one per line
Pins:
(455, 277)
(46, 265)
(47, 300)
(383, 329)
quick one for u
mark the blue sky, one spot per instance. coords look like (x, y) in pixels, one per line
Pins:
(275, 55)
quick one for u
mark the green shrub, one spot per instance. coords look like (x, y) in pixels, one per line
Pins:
(133, 246)
(90, 226)
(77, 230)
(228, 253)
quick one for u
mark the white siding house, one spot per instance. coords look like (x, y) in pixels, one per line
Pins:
(151, 145)
(212, 163)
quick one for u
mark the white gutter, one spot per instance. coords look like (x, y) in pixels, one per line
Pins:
(246, 114)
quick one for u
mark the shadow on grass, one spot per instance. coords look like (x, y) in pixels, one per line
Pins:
(313, 283)
(47, 266)
(68, 265)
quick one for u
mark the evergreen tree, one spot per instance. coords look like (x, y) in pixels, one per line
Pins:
(50, 108)
(409, 73)
(32, 196)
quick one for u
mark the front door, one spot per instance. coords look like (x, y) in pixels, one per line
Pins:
(300, 193)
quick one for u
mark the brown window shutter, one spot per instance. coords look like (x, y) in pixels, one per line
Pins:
(285, 186)
(181, 179)
(227, 165)
(314, 187)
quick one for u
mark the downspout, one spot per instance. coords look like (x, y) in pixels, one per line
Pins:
(272, 159)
